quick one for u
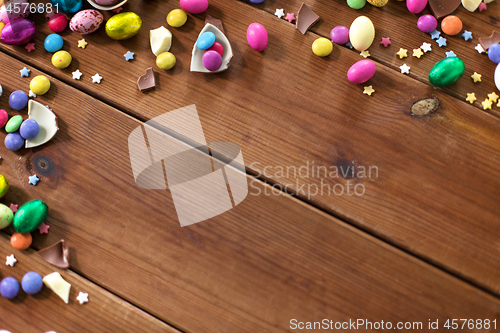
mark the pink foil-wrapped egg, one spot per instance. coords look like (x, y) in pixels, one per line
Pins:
(18, 32)
(58, 23)
(194, 6)
(361, 71)
(86, 21)
(19, 6)
(257, 36)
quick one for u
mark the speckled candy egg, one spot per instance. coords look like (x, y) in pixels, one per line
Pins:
(6, 16)
(257, 36)
(58, 23)
(68, 6)
(194, 6)
(123, 25)
(6, 216)
(361, 71)
(86, 21)
(18, 32)
(416, 6)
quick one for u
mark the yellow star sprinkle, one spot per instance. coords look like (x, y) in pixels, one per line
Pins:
(402, 53)
(418, 53)
(82, 43)
(368, 90)
(476, 77)
(471, 98)
(498, 104)
(487, 104)
(493, 97)
(365, 54)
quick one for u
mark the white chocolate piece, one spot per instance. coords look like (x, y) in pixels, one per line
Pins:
(471, 5)
(58, 285)
(160, 40)
(47, 121)
(197, 54)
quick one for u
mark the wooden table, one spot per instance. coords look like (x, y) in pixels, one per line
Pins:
(420, 244)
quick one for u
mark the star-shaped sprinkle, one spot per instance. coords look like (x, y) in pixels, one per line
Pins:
(493, 97)
(498, 104)
(33, 180)
(405, 69)
(129, 55)
(467, 35)
(13, 207)
(118, 10)
(82, 298)
(482, 6)
(471, 98)
(279, 13)
(32, 94)
(441, 41)
(487, 104)
(386, 41)
(418, 53)
(426, 47)
(11, 261)
(368, 90)
(77, 74)
(25, 72)
(96, 78)
(348, 44)
(365, 54)
(30, 47)
(44, 228)
(450, 54)
(290, 17)
(402, 53)
(479, 49)
(476, 77)
(435, 34)
(82, 43)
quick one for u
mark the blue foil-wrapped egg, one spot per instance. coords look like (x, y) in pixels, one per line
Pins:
(68, 6)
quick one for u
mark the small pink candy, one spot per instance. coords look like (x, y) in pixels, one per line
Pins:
(194, 6)
(58, 23)
(217, 47)
(416, 6)
(361, 71)
(257, 36)
(212, 60)
(3, 117)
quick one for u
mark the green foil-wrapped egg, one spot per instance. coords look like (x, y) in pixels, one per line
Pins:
(30, 215)
(123, 25)
(446, 71)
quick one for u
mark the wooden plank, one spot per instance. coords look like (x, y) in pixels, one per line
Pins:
(287, 109)
(45, 311)
(258, 266)
(395, 21)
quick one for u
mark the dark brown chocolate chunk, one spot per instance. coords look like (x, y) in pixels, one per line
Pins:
(147, 81)
(56, 254)
(442, 8)
(215, 22)
(306, 18)
(486, 42)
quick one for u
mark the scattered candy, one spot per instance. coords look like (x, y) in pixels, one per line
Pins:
(279, 13)
(194, 6)
(21, 241)
(361, 71)
(368, 90)
(290, 17)
(167, 60)
(426, 47)
(257, 36)
(13, 207)
(446, 72)
(77, 74)
(29, 47)
(205, 40)
(471, 98)
(33, 180)
(4, 117)
(212, 60)
(322, 47)
(39, 85)
(416, 6)
(356, 4)
(61, 59)
(11, 260)
(14, 141)
(493, 97)
(9, 287)
(340, 35)
(56, 254)
(306, 18)
(402, 53)
(161, 40)
(361, 33)
(18, 100)
(46, 119)
(82, 297)
(32, 283)
(441, 41)
(126, 25)
(58, 285)
(6, 216)
(86, 21)
(147, 81)
(29, 216)
(467, 35)
(25, 72)
(385, 41)
(418, 53)
(435, 34)
(451, 25)
(129, 56)
(96, 78)
(29, 129)
(427, 23)
(18, 32)
(13, 124)
(487, 104)
(176, 18)
(82, 43)
(43, 228)
(479, 49)
(405, 69)
(58, 22)
(494, 53)
(450, 54)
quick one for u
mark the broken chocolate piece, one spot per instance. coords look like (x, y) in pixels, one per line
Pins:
(147, 81)
(56, 254)
(486, 42)
(215, 22)
(442, 8)
(306, 18)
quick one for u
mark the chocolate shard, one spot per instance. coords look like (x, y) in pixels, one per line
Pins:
(215, 22)
(306, 18)
(147, 81)
(442, 8)
(486, 42)
(56, 254)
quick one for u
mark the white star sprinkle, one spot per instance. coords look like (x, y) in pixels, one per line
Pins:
(83, 297)
(32, 94)
(280, 12)
(11, 261)
(426, 47)
(77, 74)
(479, 48)
(96, 78)
(405, 69)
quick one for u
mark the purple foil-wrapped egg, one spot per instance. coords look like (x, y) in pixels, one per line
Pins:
(13, 10)
(212, 60)
(18, 32)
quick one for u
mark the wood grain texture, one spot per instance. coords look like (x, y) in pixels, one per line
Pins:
(45, 311)
(267, 261)
(436, 191)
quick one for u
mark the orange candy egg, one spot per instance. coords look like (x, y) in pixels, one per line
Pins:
(451, 25)
(21, 241)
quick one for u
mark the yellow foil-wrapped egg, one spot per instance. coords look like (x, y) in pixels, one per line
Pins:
(123, 25)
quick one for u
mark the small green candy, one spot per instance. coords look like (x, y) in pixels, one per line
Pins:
(446, 71)
(30, 215)
(356, 4)
(13, 124)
